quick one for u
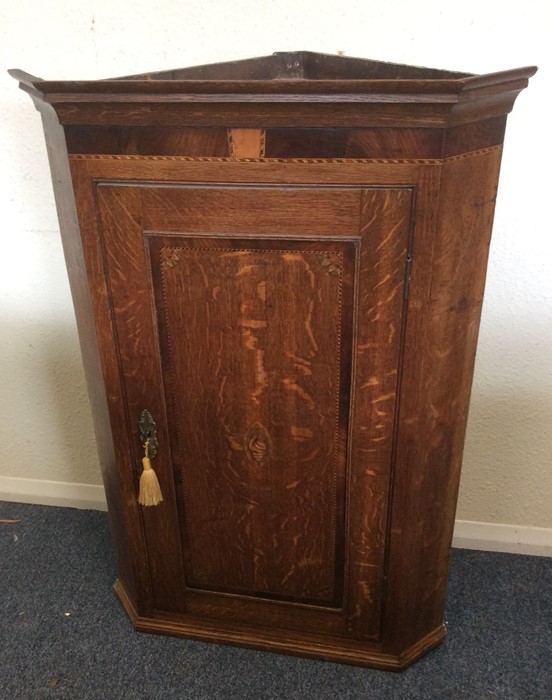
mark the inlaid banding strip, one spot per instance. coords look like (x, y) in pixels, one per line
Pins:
(239, 159)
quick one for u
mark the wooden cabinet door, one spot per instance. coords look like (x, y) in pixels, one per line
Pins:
(261, 326)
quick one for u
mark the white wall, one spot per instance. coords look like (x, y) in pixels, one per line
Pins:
(44, 417)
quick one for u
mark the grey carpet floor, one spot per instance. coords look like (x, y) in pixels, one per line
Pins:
(64, 635)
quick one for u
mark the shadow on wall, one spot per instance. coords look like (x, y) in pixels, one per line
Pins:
(45, 415)
(506, 473)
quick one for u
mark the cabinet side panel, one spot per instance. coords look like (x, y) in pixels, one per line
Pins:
(125, 549)
(451, 241)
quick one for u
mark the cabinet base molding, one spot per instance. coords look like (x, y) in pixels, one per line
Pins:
(366, 654)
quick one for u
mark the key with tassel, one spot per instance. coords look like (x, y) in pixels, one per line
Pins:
(149, 492)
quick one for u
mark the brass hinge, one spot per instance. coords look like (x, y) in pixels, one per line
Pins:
(408, 268)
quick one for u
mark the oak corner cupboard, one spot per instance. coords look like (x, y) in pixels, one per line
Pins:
(277, 266)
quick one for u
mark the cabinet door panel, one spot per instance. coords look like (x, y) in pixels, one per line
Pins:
(255, 330)
(252, 336)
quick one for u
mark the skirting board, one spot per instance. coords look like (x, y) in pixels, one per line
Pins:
(497, 537)
(52, 493)
(491, 537)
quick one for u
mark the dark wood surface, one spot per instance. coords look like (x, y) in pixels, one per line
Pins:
(282, 259)
(300, 89)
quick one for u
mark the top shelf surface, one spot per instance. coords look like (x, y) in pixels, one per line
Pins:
(302, 65)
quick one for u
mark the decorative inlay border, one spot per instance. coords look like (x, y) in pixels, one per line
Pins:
(340, 161)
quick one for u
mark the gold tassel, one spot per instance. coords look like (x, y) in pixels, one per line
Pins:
(150, 491)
